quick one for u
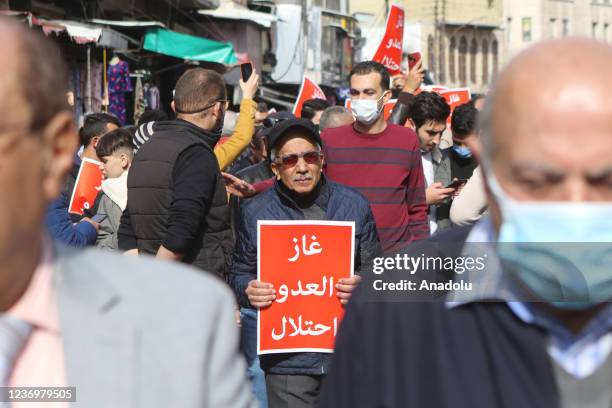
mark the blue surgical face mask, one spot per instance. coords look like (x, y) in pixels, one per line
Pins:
(562, 251)
(463, 152)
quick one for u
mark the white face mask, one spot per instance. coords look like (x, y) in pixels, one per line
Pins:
(366, 111)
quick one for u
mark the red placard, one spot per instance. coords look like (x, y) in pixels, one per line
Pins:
(389, 52)
(303, 260)
(87, 186)
(386, 109)
(454, 98)
(308, 90)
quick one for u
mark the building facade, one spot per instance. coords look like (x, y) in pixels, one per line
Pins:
(529, 21)
(460, 41)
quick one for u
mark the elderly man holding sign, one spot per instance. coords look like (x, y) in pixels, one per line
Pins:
(298, 245)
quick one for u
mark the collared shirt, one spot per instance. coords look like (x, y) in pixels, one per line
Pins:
(428, 171)
(579, 354)
(41, 362)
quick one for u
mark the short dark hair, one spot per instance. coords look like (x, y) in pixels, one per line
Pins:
(113, 141)
(310, 107)
(464, 120)
(427, 107)
(152, 115)
(367, 67)
(197, 89)
(95, 125)
(42, 73)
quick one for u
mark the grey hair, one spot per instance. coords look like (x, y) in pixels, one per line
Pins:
(274, 151)
(330, 115)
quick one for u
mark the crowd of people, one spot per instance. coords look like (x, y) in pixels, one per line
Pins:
(166, 314)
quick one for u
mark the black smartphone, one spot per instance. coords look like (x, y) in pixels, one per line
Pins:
(246, 70)
(456, 183)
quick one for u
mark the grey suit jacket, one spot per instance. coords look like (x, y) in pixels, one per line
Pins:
(442, 174)
(139, 332)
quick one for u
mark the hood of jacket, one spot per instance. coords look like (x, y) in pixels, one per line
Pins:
(116, 189)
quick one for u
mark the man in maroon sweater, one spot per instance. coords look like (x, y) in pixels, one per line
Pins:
(380, 159)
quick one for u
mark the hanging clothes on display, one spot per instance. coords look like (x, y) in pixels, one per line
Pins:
(95, 87)
(139, 100)
(151, 95)
(118, 83)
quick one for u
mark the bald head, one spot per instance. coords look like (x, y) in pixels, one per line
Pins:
(34, 78)
(547, 127)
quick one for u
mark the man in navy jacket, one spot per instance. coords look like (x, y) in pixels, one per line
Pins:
(300, 192)
(534, 328)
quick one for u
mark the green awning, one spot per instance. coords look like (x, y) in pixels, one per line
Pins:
(188, 46)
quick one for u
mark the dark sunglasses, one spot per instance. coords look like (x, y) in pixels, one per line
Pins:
(290, 160)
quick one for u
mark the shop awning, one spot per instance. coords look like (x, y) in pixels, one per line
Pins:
(130, 24)
(188, 47)
(233, 11)
(84, 33)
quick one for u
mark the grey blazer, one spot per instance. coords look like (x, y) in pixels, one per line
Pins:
(139, 332)
(442, 174)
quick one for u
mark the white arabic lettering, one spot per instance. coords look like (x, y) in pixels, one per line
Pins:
(309, 289)
(313, 249)
(394, 44)
(303, 328)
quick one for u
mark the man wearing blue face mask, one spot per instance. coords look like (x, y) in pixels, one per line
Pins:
(465, 133)
(536, 329)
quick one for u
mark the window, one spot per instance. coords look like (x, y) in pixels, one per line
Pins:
(463, 48)
(485, 62)
(473, 53)
(526, 26)
(431, 54)
(553, 27)
(565, 27)
(442, 65)
(594, 30)
(494, 51)
(509, 29)
(452, 54)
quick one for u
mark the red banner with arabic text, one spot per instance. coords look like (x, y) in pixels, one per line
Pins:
(454, 98)
(389, 52)
(303, 260)
(87, 186)
(308, 90)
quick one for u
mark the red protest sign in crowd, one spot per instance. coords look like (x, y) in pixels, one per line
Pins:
(303, 260)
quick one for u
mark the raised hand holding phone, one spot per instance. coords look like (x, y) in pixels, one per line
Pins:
(249, 85)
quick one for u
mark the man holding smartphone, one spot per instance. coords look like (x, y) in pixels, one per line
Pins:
(427, 115)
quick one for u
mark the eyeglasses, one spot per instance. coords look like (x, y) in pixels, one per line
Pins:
(225, 103)
(290, 160)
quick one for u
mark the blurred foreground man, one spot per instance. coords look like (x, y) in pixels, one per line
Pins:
(123, 331)
(539, 332)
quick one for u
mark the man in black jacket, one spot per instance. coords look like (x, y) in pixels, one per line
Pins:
(177, 203)
(534, 328)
